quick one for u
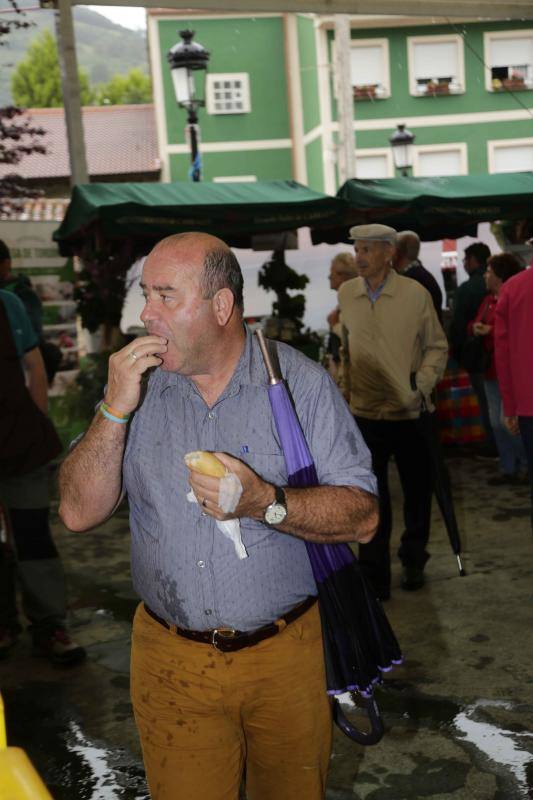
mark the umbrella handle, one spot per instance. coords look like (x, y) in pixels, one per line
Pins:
(273, 377)
(376, 723)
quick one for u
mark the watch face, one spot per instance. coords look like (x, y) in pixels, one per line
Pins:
(275, 514)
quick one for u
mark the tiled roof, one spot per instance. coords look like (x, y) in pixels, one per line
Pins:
(120, 140)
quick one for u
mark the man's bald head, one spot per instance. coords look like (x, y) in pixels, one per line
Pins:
(220, 268)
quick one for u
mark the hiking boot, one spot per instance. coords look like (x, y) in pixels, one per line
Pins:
(412, 579)
(59, 648)
(7, 639)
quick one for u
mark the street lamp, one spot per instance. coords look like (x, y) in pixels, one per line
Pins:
(187, 58)
(401, 143)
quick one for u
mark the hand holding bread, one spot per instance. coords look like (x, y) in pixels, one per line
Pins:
(206, 463)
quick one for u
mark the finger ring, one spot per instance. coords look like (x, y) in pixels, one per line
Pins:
(204, 502)
(135, 357)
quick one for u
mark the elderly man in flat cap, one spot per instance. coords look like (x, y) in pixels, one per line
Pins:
(395, 352)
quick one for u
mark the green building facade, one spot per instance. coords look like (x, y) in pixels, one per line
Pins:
(464, 89)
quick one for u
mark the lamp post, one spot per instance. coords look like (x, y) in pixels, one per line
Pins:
(187, 58)
(401, 143)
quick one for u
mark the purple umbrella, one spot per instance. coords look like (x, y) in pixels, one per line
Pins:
(359, 645)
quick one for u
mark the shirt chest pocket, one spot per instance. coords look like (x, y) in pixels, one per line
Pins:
(270, 466)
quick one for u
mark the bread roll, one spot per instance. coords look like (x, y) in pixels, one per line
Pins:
(206, 463)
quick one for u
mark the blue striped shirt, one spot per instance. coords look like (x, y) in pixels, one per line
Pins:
(183, 567)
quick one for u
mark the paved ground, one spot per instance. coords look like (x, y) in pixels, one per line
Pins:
(458, 713)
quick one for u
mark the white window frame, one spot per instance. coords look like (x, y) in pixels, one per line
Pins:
(376, 151)
(488, 36)
(235, 179)
(459, 147)
(384, 45)
(495, 144)
(211, 77)
(412, 41)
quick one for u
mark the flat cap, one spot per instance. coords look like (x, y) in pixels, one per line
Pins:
(374, 233)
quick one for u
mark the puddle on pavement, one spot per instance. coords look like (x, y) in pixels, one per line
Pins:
(119, 605)
(40, 719)
(495, 749)
(71, 763)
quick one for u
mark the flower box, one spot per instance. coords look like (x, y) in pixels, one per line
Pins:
(514, 84)
(365, 92)
(437, 88)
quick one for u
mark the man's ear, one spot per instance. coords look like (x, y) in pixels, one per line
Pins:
(223, 305)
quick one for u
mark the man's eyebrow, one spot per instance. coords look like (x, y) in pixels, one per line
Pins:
(160, 288)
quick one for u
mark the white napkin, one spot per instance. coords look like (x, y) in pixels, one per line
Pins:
(229, 494)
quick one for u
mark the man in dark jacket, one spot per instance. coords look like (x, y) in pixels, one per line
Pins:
(469, 295)
(408, 264)
(467, 300)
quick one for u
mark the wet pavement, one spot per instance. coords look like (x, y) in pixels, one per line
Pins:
(458, 712)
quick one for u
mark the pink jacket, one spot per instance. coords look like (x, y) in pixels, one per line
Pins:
(513, 340)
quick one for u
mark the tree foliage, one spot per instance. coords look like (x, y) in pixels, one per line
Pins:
(36, 82)
(133, 88)
(18, 137)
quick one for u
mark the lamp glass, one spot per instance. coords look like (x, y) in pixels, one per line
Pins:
(403, 155)
(182, 85)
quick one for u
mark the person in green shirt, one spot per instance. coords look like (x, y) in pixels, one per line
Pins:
(27, 443)
(21, 286)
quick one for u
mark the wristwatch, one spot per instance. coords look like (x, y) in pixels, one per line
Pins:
(275, 513)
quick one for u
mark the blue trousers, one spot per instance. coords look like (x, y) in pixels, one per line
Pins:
(510, 448)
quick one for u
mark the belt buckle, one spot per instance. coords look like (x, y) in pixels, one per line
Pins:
(226, 633)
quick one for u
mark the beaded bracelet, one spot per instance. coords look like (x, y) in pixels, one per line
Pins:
(115, 413)
(114, 416)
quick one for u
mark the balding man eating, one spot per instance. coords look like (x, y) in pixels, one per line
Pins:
(227, 671)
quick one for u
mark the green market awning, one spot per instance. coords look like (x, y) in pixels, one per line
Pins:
(233, 211)
(436, 208)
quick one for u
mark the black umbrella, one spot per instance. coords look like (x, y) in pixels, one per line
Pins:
(359, 645)
(442, 486)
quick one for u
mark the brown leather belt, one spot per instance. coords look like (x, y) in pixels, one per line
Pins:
(228, 639)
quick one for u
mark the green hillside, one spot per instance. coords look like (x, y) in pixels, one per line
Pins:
(103, 47)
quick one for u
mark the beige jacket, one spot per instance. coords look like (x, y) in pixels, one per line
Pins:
(387, 345)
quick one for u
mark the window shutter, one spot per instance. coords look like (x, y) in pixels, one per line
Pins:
(435, 60)
(366, 65)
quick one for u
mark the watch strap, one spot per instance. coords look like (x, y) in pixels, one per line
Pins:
(280, 497)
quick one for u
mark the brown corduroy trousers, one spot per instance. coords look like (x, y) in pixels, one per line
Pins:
(207, 718)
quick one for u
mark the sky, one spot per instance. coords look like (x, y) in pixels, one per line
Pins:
(128, 16)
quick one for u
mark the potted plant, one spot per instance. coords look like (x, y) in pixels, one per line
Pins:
(515, 82)
(100, 288)
(365, 92)
(437, 88)
(286, 322)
